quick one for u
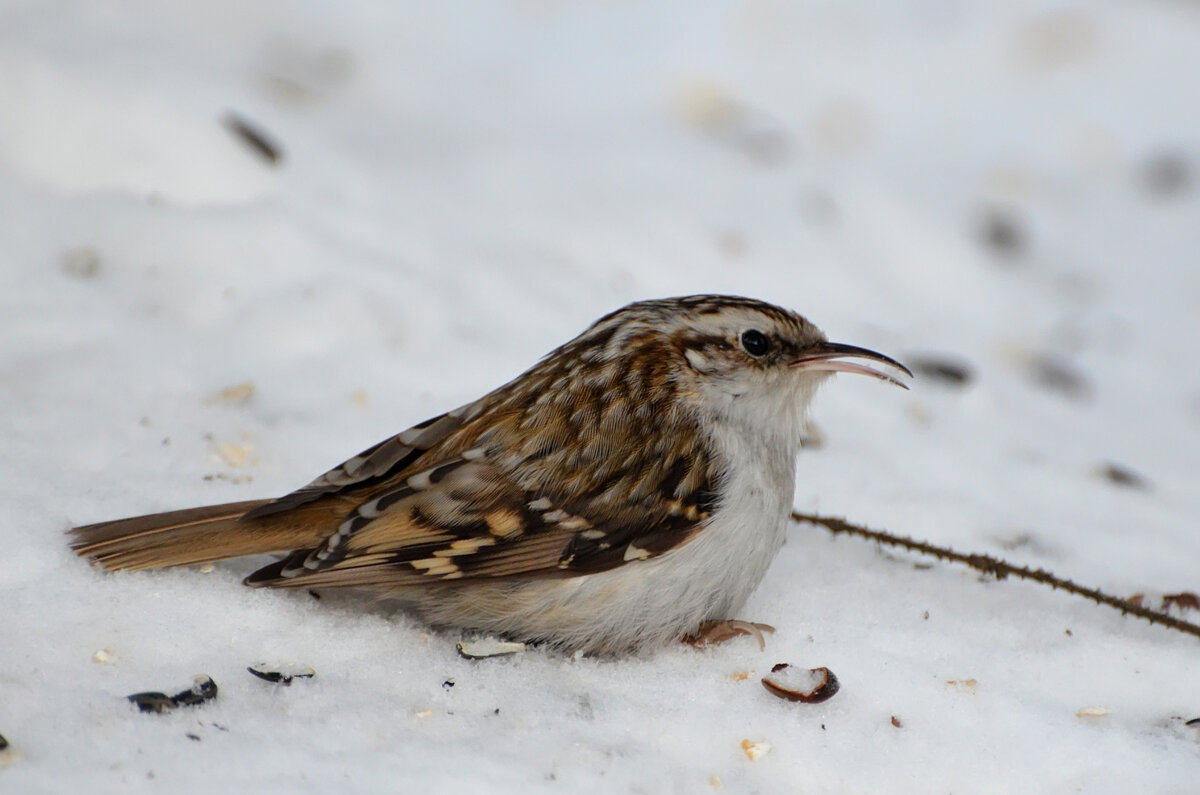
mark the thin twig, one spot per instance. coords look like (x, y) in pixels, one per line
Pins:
(998, 568)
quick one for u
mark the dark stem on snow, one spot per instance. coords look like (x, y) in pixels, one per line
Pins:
(1000, 569)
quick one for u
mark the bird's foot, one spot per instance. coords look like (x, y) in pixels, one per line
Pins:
(713, 632)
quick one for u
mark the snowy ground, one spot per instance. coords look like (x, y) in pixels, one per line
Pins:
(462, 187)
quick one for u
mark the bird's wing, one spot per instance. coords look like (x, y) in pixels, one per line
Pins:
(466, 518)
(375, 464)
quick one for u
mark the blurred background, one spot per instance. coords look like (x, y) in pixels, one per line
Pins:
(242, 241)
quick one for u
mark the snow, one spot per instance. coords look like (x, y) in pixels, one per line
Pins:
(466, 185)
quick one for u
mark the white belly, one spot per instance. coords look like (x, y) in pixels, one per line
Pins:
(646, 603)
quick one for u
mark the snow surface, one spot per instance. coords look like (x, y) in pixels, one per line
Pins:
(464, 186)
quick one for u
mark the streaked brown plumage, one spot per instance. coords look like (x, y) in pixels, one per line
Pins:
(527, 509)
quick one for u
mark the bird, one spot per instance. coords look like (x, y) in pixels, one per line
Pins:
(628, 490)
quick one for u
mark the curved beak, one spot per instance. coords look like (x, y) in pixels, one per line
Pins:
(830, 357)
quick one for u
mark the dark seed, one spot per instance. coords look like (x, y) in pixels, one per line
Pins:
(1166, 174)
(1058, 375)
(271, 676)
(205, 689)
(896, 722)
(938, 368)
(1002, 232)
(253, 136)
(280, 678)
(152, 702)
(4, 742)
(1124, 476)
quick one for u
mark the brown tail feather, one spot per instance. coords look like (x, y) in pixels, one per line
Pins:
(193, 535)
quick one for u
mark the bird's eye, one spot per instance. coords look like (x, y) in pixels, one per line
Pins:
(755, 342)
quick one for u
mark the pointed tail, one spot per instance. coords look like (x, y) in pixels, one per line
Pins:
(191, 536)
